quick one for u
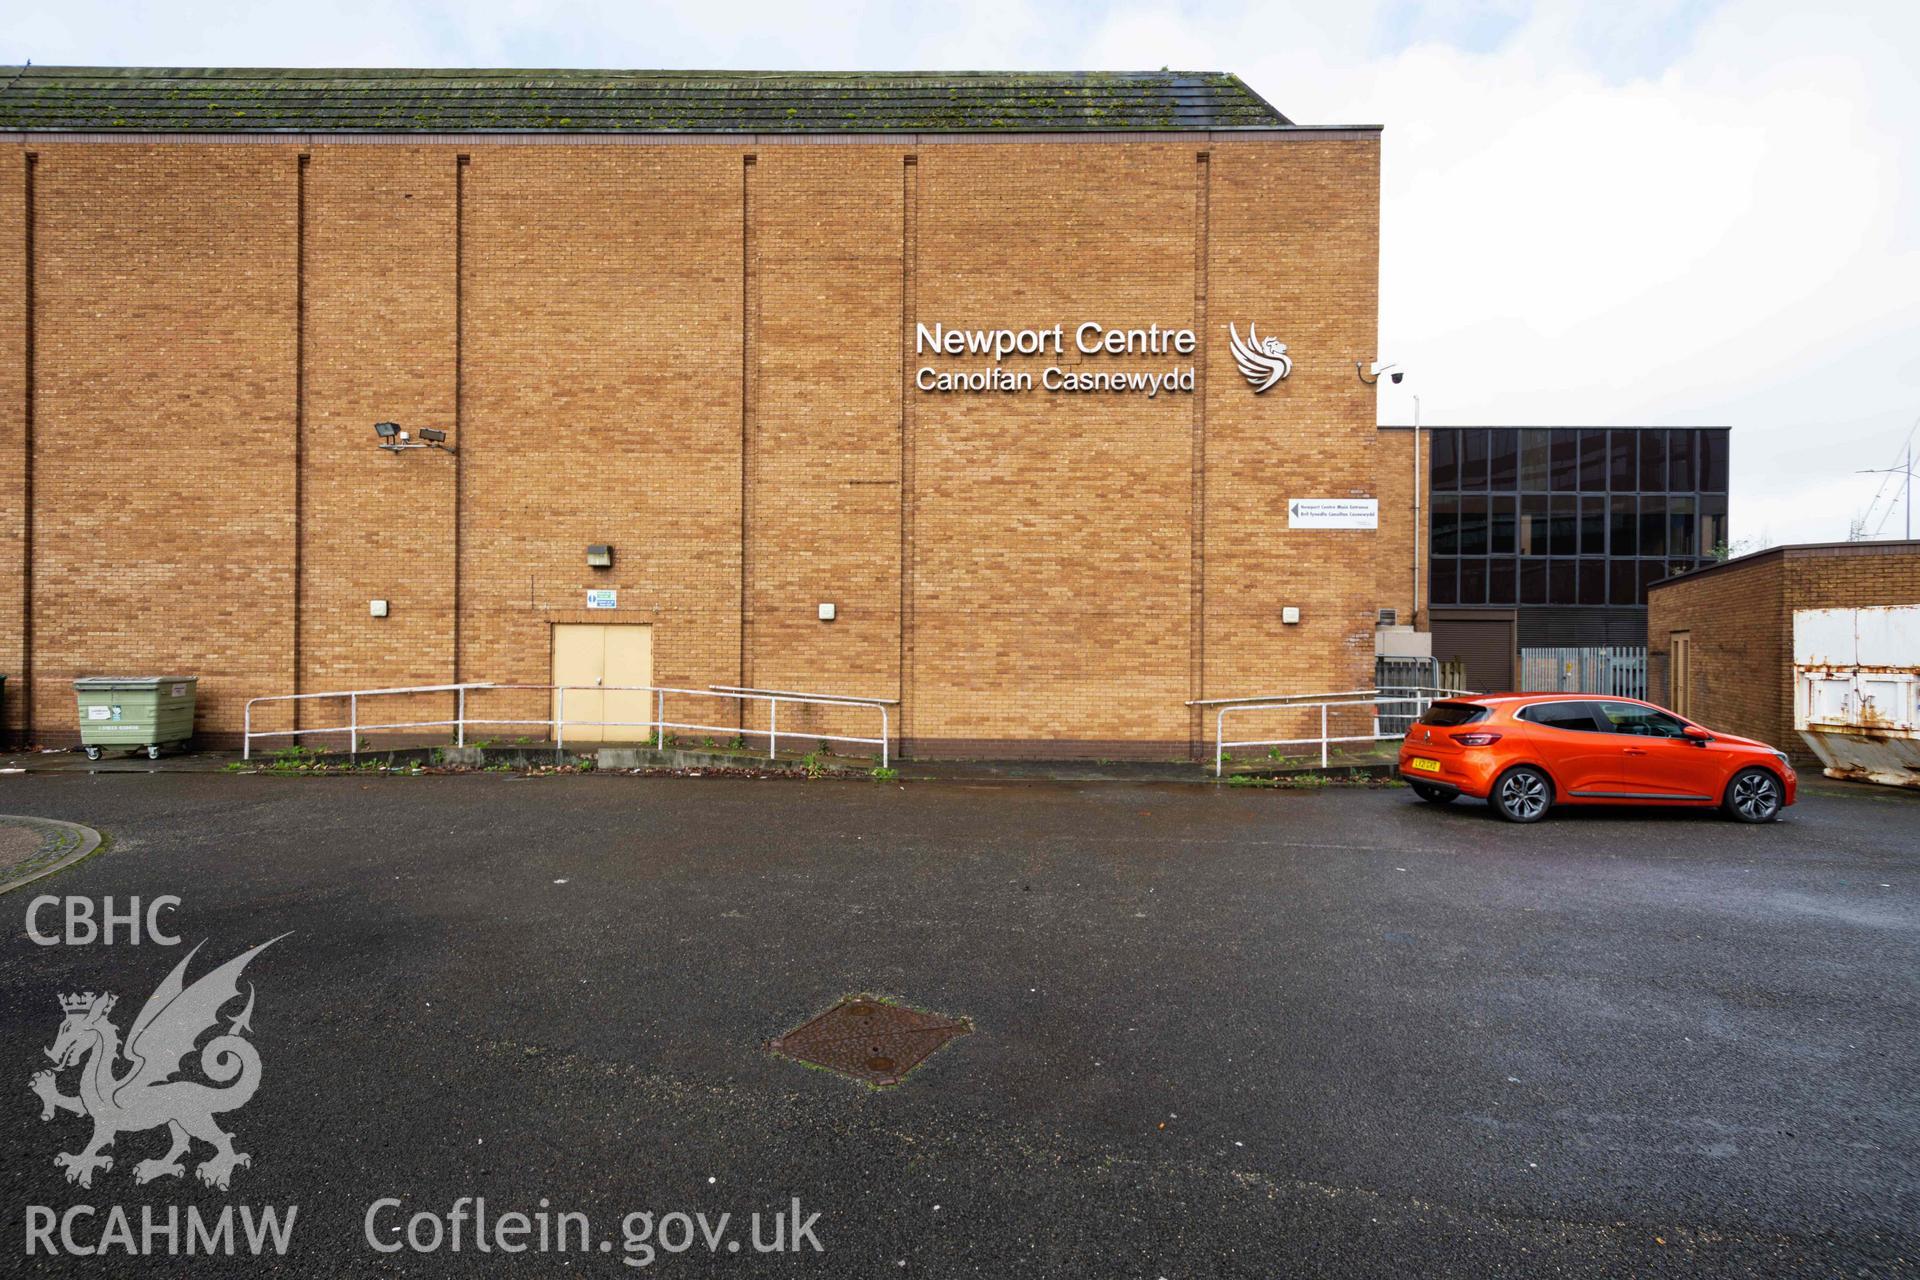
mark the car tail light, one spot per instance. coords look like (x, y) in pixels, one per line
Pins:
(1476, 739)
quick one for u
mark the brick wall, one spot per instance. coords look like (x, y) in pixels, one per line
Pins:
(1740, 618)
(701, 354)
(1393, 588)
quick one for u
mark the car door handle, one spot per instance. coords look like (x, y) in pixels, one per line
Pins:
(1634, 751)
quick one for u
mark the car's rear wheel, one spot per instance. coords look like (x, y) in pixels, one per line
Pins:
(1522, 794)
(1432, 794)
(1753, 795)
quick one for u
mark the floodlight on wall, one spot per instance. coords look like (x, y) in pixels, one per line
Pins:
(599, 556)
(393, 438)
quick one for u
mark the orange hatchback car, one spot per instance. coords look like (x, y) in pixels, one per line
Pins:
(1523, 753)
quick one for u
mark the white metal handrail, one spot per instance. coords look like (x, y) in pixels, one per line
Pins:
(558, 722)
(1417, 697)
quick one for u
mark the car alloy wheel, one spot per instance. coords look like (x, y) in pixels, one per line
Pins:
(1754, 796)
(1522, 795)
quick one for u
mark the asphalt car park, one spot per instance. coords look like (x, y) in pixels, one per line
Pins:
(1215, 1031)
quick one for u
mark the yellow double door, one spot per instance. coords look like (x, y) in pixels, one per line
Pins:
(605, 671)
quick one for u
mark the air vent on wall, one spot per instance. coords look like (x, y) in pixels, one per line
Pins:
(1389, 618)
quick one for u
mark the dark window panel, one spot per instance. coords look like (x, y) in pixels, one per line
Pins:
(1593, 460)
(1564, 532)
(1503, 460)
(1713, 461)
(1536, 444)
(1713, 524)
(1502, 581)
(1593, 525)
(1446, 460)
(1623, 582)
(1653, 525)
(1564, 461)
(1446, 524)
(1593, 581)
(1651, 571)
(1680, 461)
(1682, 534)
(1560, 582)
(1473, 580)
(1533, 581)
(1625, 528)
(1653, 459)
(1623, 452)
(1473, 526)
(1503, 525)
(1445, 587)
(1533, 524)
(1473, 460)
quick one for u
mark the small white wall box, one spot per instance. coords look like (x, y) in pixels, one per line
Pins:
(826, 612)
(378, 608)
(1290, 614)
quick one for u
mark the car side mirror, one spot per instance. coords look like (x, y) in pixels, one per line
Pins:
(1696, 735)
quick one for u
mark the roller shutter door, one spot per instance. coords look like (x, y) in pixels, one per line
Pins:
(1484, 644)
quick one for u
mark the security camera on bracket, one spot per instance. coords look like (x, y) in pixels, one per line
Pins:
(1370, 374)
(393, 439)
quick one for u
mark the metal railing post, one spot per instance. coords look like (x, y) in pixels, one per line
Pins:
(353, 725)
(460, 717)
(246, 733)
(1219, 732)
(886, 736)
(660, 720)
(773, 728)
(560, 719)
(1323, 735)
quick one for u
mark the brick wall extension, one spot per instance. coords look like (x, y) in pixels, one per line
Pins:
(702, 355)
(1394, 588)
(1740, 618)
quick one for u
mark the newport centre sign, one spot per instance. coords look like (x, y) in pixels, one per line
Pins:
(1089, 338)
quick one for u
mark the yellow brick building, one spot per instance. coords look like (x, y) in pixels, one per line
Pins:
(708, 322)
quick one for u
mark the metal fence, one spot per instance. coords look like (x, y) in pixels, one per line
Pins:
(1367, 715)
(452, 708)
(1619, 671)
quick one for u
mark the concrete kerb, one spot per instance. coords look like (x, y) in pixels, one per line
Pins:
(514, 757)
(64, 843)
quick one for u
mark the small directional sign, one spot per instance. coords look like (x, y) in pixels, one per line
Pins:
(1333, 513)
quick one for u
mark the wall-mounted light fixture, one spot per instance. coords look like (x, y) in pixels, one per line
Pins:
(393, 439)
(1370, 374)
(599, 556)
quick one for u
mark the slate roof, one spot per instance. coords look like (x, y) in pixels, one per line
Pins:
(309, 100)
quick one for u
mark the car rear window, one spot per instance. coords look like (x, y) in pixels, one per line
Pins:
(1576, 716)
(1447, 714)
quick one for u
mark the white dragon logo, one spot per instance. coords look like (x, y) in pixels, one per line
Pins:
(146, 1095)
(1264, 363)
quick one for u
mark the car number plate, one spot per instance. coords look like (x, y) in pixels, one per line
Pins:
(1425, 766)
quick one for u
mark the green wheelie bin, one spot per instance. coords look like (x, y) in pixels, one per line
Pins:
(134, 711)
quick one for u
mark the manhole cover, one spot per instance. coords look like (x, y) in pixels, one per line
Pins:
(870, 1039)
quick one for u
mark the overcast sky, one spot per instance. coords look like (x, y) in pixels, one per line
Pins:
(1638, 211)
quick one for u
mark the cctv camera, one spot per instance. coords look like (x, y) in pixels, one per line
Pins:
(1397, 375)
